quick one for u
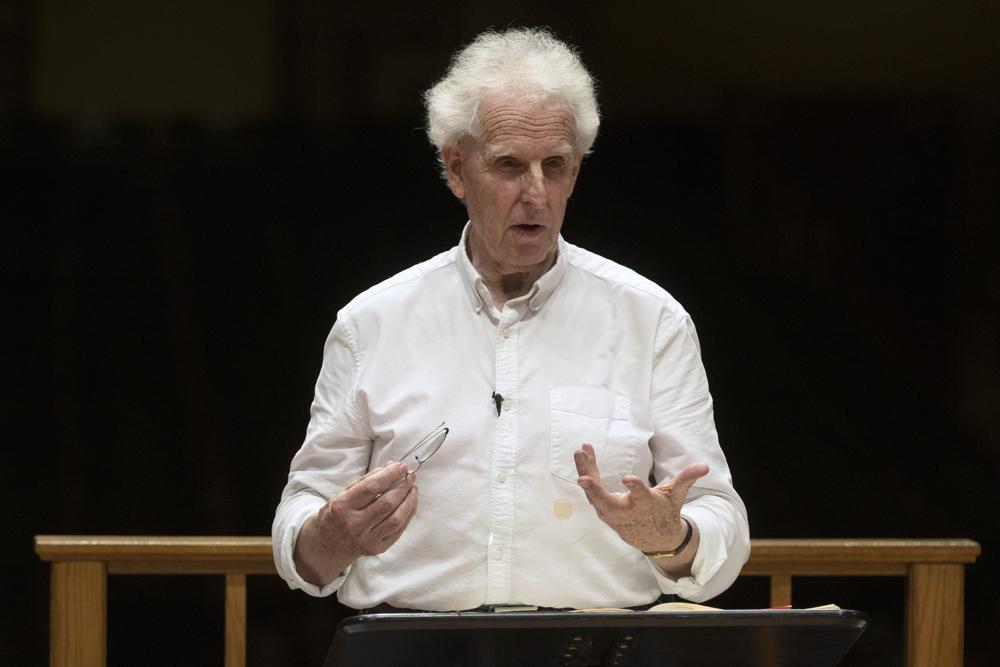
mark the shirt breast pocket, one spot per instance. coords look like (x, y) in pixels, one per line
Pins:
(599, 417)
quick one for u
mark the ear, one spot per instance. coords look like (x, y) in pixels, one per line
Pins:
(454, 161)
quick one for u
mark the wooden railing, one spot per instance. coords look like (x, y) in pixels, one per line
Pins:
(934, 572)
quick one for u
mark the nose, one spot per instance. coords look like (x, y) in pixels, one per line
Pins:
(533, 186)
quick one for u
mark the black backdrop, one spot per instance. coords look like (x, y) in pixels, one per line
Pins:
(819, 188)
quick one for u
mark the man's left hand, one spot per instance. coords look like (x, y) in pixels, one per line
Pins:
(648, 518)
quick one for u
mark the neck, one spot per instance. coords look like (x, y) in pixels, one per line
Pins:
(502, 282)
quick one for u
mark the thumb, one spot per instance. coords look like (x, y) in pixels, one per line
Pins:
(686, 479)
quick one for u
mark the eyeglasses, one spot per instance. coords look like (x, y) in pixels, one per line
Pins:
(425, 448)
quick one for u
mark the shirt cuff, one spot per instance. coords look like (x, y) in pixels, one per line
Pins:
(284, 538)
(711, 556)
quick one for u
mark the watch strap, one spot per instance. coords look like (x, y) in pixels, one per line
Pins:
(673, 552)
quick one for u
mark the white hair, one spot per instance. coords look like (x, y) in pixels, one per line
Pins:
(528, 62)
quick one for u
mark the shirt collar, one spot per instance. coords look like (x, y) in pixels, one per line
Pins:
(536, 296)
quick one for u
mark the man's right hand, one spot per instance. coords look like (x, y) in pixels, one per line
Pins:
(362, 520)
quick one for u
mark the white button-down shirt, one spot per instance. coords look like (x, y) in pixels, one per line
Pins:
(592, 353)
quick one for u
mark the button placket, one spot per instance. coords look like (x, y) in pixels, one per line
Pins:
(504, 450)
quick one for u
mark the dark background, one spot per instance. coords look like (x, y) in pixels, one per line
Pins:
(191, 190)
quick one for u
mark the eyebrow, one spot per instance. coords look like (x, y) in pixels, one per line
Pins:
(494, 151)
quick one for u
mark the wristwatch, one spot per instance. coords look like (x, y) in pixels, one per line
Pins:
(673, 552)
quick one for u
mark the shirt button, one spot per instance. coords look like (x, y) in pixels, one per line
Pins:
(498, 553)
(506, 333)
(506, 405)
(501, 477)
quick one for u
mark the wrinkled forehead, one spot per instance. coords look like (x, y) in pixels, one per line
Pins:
(506, 121)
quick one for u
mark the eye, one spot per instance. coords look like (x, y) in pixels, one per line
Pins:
(506, 163)
(555, 163)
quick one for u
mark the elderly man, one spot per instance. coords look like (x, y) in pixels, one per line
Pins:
(568, 383)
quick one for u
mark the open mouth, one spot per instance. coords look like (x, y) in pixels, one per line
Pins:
(528, 229)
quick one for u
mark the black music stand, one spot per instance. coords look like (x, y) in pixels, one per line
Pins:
(771, 638)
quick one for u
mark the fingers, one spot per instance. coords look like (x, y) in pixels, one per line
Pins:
(389, 529)
(374, 485)
(639, 490)
(586, 461)
(590, 475)
(387, 503)
(365, 476)
(369, 529)
(590, 478)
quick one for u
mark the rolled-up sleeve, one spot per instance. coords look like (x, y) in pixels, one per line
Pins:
(684, 433)
(336, 451)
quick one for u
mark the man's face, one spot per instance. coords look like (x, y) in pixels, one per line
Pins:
(515, 182)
